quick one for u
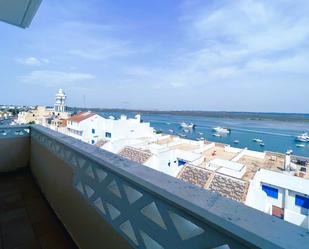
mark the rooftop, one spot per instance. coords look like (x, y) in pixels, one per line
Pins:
(81, 116)
(230, 187)
(136, 155)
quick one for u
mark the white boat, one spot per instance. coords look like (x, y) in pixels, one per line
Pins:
(303, 137)
(262, 144)
(216, 135)
(200, 133)
(236, 141)
(186, 130)
(171, 131)
(257, 140)
(221, 130)
(201, 138)
(182, 135)
(300, 145)
(187, 126)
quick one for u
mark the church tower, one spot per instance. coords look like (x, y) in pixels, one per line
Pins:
(60, 101)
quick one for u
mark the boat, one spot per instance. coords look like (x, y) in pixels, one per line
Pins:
(201, 138)
(182, 135)
(300, 145)
(200, 133)
(236, 141)
(262, 144)
(257, 140)
(303, 137)
(187, 126)
(221, 130)
(216, 135)
(186, 130)
(171, 131)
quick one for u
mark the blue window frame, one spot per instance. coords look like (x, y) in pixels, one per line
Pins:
(181, 162)
(271, 192)
(302, 201)
(92, 141)
(93, 131)
(108, 134)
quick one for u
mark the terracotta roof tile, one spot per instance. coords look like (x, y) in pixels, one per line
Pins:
(81, 116)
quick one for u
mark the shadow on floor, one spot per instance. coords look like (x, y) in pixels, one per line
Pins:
(26, 219)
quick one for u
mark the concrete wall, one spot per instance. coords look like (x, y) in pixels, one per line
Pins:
(85, 225)
(14, 153)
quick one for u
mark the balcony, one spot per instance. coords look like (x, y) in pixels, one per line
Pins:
(95, 199)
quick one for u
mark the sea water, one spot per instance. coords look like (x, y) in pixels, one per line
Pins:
(278, 136)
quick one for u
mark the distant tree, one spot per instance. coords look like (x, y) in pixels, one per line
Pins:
(32, 122)
(14, 111)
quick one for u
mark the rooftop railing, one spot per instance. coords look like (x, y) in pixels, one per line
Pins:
(105, 200)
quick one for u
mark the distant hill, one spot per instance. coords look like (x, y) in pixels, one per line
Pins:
(287, 117)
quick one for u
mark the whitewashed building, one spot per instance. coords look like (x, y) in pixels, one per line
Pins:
(114, 134)
(85, 126)
(282, 195)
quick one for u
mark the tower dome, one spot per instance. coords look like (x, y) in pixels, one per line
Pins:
(60, 101)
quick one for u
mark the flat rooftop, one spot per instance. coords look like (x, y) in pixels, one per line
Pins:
(217, 152)
(272, 161)
(26, 219)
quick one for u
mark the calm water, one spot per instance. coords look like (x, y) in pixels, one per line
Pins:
(277, 136)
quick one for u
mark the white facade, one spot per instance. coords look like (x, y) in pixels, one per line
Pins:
(170, 161)
(86, 127)
(269, 188)
(117, 132)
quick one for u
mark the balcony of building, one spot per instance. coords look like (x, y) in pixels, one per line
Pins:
(58, 192)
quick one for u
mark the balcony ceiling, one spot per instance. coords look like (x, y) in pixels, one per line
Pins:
(18, 12)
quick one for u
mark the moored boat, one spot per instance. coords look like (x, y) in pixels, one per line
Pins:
(300, 145)
(187, 126)
(303, 137)
(221, 130)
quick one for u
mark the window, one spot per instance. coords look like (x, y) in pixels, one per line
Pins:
(271, 192)
(181, 162)
(302, 201)
(93, 131)
(108, 134)
(92, 141)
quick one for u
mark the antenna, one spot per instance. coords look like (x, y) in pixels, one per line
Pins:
(84, 100)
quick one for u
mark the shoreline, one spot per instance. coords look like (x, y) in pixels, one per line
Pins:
(257, 116)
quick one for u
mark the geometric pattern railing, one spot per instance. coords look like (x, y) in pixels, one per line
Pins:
(14, 131)
(143, 218)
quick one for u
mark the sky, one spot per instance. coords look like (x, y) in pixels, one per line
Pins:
(221, 55)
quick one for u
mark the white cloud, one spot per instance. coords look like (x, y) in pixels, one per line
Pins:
(101, 50)
(52, 78)
(31, 61)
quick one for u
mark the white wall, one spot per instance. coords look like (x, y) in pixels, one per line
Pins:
(296, 218)
(160, 162)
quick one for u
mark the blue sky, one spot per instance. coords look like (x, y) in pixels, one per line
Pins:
(242, 55)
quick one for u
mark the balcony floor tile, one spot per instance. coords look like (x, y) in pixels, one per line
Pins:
(26, 219)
